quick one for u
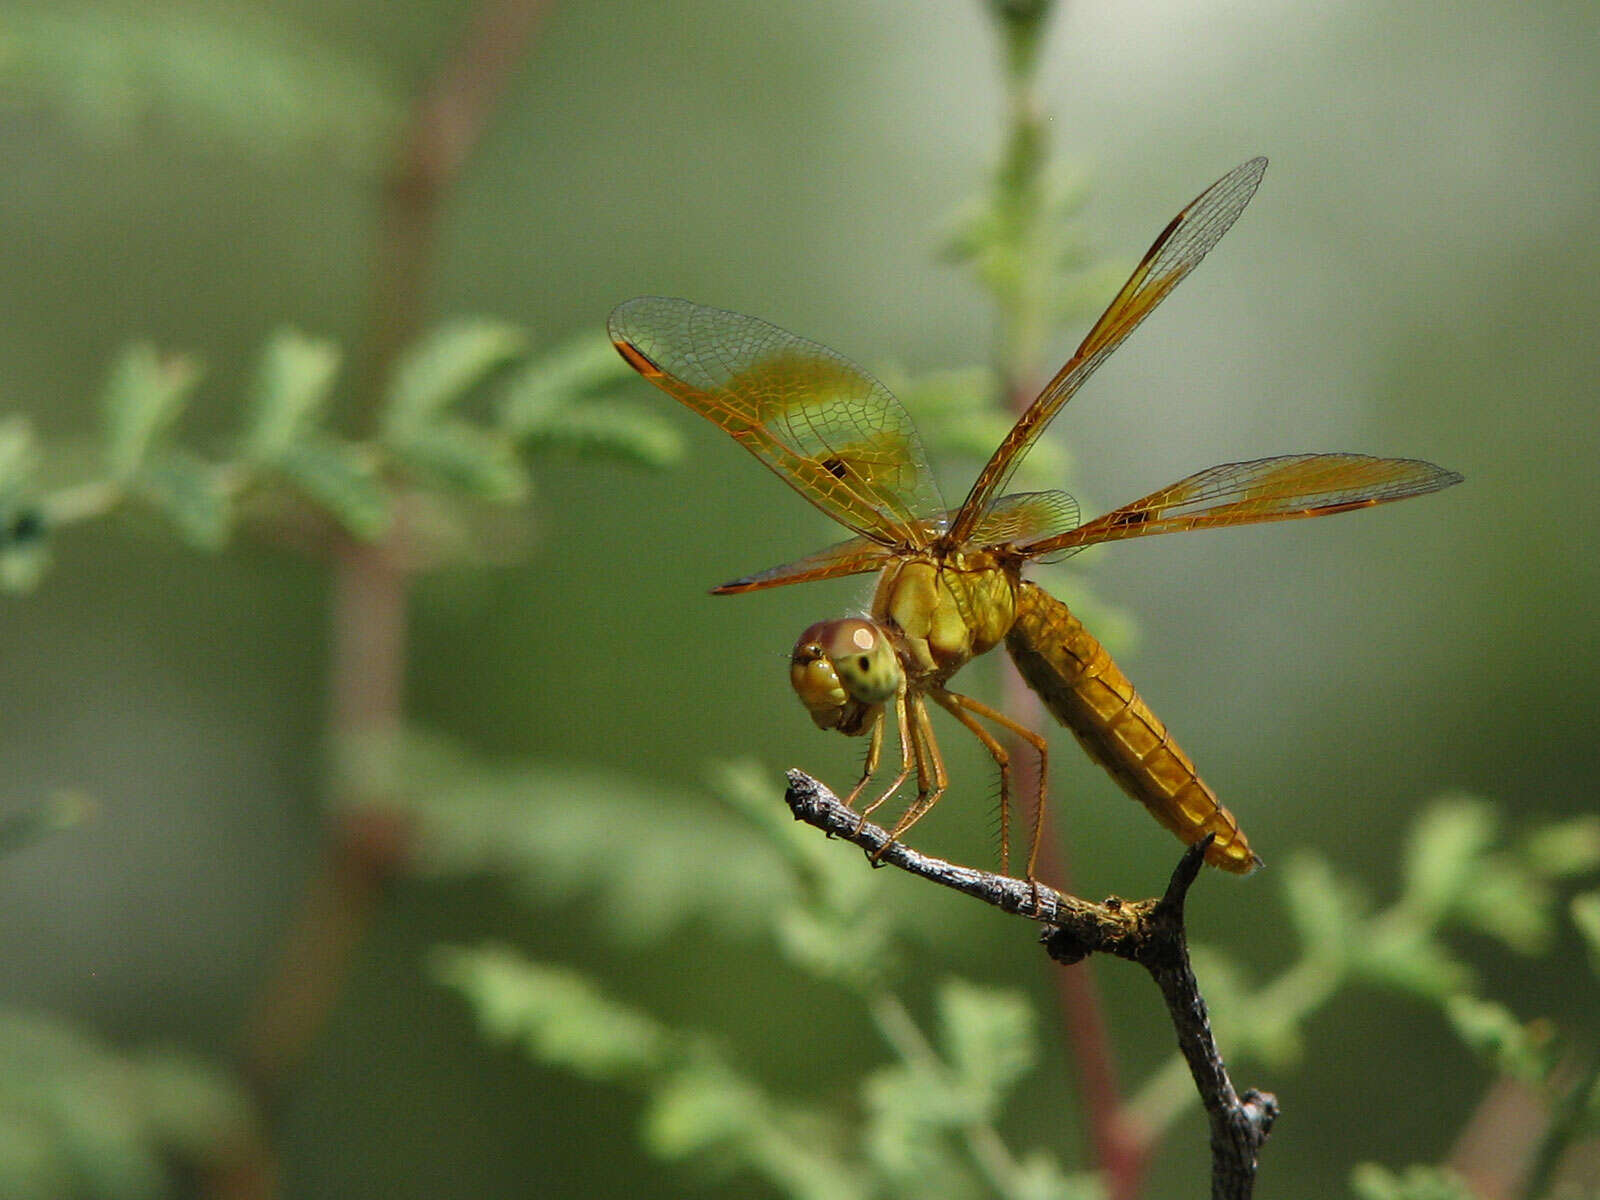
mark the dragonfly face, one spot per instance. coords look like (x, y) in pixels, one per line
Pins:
(950, 583)
(844, 672)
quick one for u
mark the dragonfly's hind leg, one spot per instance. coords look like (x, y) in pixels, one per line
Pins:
(951, 703)
(962, 708)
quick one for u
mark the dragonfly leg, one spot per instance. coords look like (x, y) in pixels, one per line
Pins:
(952, 700)
(903, 719)
(951, 703)
(932, 778)
(870, 767)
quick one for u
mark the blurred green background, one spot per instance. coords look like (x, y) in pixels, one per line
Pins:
(1417, 277)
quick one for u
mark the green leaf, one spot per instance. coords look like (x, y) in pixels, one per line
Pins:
(1409, 960)
(557, 832)
(910, 1112)
(254, 82)
(440, 369)
(24, 527)
(1371, 1181)
(579, 369)
(1325, 910)
(699, 1107)
(987, 1038)
(78, 1118)
(609, 430)
(1444, 852)
(479, 462)
(556, 1015)
(1564, 849)
(193, 494)
(1585, 911)
(142, 398)
(19, 455)
(1490, 1030)
(1509, 904)
(1253, 1023)
(342, 478)
(704, 1107)
(1039, 1177)
(293, 383)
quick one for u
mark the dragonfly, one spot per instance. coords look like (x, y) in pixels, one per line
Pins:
(950, 581)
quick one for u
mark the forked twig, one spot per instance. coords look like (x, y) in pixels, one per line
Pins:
(1148, 932)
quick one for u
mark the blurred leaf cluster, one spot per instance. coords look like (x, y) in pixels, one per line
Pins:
(289, 467)
(925, 1121)
(247, 85)
(79, 1118)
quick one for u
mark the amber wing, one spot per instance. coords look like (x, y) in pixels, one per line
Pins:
(1284, 488)
(829, 429)
(1176, 252)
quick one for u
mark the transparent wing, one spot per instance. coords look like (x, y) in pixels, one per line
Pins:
(850, 557)
(829, 429)
(1265, 489)
(1026, 517)
(1179, 249)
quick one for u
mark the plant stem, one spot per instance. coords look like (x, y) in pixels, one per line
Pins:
(365, 841)
(984, 1144)
(1119, 1147)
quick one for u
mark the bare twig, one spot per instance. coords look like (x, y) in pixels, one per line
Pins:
(1148, 932)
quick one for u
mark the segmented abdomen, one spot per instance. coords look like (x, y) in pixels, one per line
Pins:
(1090, 695)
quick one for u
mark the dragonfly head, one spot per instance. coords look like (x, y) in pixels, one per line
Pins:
(844, 671)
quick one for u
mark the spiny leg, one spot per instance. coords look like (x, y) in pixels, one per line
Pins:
(951, 703)
(906, 755)
(931, 776)
(1039, 745)
(870, 767)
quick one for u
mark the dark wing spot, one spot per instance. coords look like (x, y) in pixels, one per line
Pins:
(1127, 520)
(835, 467)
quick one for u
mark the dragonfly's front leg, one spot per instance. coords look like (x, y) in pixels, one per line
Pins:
(932, 779)
(870, 767)
(903, 720)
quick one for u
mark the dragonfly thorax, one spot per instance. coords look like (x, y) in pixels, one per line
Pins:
(844, 671)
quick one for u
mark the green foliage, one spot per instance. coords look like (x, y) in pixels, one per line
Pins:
(24, 546)
(1585, 911)
(288, 457)
(562, 400)
(254, 84)
(1373, 1182)
(556, 1015)
(444, 366)
(1523, 1052)
(143, 397)
(744, 869)
(293, 386)
(80, 1119)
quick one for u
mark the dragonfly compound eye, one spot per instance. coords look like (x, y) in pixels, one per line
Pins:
(840, 669)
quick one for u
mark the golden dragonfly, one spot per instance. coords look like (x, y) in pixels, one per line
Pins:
(951, 585)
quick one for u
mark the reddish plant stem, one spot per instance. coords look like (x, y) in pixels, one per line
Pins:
(1120, 1148)
(366, 842)
(447, 121)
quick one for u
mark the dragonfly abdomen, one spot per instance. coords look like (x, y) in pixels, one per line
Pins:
(1088, 693)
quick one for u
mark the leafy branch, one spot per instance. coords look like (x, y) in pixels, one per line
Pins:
(289, 466)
